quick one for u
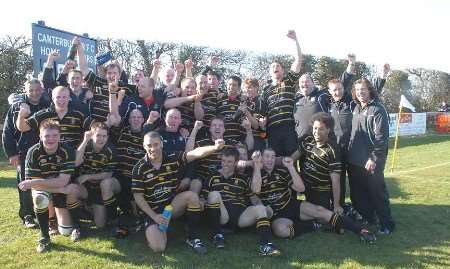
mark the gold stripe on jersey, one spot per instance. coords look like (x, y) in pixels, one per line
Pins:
(99, 106)
(98, 162)
(71, 124)
(280, 100)
(235, 189)
(275, 189)
(39, 164)
(211, 164)
(209, 103)
(316, 163)
(227, 108)
(158, 185)
(129, 150)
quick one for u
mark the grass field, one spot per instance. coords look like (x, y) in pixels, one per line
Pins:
(420, 197)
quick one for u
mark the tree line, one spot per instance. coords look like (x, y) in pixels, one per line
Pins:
(424, 88)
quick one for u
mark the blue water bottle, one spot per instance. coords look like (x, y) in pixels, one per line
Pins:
(167, 214)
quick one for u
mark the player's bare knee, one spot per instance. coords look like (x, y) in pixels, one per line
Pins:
(281, 230)
(260, 211)
(192, 197)
(214, 197)
(106, 185)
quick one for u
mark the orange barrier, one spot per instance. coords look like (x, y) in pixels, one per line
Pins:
(443, 122)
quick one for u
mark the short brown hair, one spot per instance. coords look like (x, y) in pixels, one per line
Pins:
(72, 71)
(99, 125)
(49, 125)
(251, 82)
(334, 81)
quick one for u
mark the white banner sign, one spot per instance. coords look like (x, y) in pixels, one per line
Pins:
(410, 124)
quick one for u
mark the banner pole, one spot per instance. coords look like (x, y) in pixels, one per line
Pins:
(396, 138)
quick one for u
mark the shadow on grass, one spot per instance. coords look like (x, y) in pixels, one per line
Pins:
(418, 140)
(422, 239)
(8, 182)
(394, 188)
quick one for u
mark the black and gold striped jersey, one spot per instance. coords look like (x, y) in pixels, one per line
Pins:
(212, 163)
(227, 108)
(98, 162)
(40, 164)
(209, 104)
(129, 149)
(158, 185)
(71, 124)
(234, 189)
(317, 162)
(187, 114)
(99, 105)
(255, 106)
(279, 101)
(276, 189)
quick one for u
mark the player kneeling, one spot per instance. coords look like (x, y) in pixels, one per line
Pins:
(154, 184)
(96, 161)
(229, 205)
(48, 169)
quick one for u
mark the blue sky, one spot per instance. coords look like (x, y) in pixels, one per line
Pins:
(411, 33)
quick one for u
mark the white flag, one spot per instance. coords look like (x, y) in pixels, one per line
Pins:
(405, 103)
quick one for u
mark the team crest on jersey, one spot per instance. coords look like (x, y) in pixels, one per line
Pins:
(233, 107)
(313, 99)
(272, 186)
(226, 188)
(168, 168)
(58, 159)
(216, 180)
(149, 175)
(73, 121)
(277, 177)
(42, 161)
(236, 182)
(224, 103)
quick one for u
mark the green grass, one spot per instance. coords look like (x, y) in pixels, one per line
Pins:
(420, 197)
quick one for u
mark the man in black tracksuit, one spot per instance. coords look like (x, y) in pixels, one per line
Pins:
(16, 143)
(367, 153)
(341, 107)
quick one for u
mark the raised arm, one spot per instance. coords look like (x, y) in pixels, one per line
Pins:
(21, 122)
(297, 64)
(114, 116)
(156, 69)
(297, 182)
(79, 159)
(202, 152)
(81, 57)
(190, 144)
(256, 177)
(249, 139)
(188, 64)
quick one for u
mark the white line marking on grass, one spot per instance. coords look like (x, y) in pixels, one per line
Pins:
(417, 169)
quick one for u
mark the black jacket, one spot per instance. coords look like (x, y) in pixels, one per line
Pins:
(15, 142)
(370, 134)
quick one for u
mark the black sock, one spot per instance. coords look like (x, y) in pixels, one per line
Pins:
(340, 223)
(42, 218)
(111, 208)
(192, 220)
(74, 211)
(263, 229)
(304, 226)
(214, 217)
